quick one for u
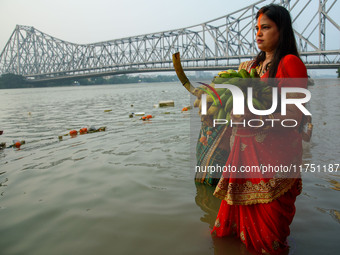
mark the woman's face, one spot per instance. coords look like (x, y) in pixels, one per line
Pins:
(267, 36)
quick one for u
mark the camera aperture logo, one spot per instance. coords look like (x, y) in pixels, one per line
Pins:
(238, 105)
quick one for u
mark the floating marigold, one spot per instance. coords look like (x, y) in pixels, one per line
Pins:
(73, 132)
(83, 131)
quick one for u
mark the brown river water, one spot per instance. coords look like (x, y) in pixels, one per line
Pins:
(129, 190)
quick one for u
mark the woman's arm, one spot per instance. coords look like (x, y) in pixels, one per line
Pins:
(292, 73)
(292, 67)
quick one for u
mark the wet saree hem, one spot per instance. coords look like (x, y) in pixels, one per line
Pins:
(262, 227)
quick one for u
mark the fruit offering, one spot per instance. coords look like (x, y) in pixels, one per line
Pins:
(220, 106)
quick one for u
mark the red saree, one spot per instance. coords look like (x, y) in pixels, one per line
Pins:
(259, 208)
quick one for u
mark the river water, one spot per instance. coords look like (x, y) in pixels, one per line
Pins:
(129, 190)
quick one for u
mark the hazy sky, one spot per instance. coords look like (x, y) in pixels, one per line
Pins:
(86, 21)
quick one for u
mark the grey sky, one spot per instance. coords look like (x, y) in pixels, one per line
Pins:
(86, 21)
(89, 21)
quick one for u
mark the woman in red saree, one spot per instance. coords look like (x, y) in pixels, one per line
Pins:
(259, 208)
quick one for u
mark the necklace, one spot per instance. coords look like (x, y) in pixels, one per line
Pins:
(261, 69)
(264, 67)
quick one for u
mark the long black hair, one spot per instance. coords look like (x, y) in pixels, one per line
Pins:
(287, 42)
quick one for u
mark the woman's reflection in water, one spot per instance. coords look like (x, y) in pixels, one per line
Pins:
(210, 205)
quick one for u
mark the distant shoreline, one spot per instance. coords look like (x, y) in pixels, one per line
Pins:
(12, 81)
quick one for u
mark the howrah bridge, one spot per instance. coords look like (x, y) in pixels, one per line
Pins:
(221, 43)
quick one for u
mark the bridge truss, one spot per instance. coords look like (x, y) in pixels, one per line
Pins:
(221, 43)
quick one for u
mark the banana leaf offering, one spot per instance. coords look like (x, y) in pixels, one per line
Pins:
(220, 100)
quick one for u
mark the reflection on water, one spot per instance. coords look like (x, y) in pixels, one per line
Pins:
(335, 184)
(209, 206)
(207, 202)
(129, 189)
(333, 213)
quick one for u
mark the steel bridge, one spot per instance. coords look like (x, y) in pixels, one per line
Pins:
(221, 43)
